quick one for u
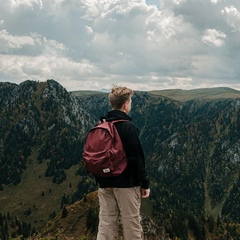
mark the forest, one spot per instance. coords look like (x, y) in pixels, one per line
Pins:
(192, 151)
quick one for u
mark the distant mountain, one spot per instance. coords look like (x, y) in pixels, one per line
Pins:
(85, 93)
(202, 93)
(191, 143)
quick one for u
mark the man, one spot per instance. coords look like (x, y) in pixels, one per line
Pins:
(121, 195)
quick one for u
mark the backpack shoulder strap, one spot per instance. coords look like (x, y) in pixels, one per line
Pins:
(120, 120)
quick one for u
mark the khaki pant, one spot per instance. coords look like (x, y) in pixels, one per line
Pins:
(124, 202)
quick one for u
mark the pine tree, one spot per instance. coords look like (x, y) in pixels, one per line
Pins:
(64, 212)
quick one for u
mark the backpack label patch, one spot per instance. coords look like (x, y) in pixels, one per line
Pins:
(106, 170)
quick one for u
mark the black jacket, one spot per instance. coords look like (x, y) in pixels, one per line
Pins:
(135, 173)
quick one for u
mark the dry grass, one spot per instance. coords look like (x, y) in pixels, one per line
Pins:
(28, 194)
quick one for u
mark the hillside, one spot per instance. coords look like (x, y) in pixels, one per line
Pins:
(192, 150)
(81, 219)
(42, 130)
(202, 93)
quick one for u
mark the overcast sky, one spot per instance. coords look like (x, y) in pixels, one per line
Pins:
(145, 45)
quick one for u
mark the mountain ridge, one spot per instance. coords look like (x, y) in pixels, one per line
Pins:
(192, 157)
(181, 94)
(200, 93)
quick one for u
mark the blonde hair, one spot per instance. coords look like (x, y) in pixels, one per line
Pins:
(119, 95)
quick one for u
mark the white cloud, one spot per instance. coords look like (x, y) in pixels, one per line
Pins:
(88, 44)
(46, 67)
(31, 4)
(215, 1)
(179, 1)
(8, 41)
(12, 43)
(233, 17)
(214, 37)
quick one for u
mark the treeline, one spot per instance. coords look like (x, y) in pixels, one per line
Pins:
(229, 207)
(62, 148)
(175, 216)
(12, 227)
(15, 152)
(18, 128)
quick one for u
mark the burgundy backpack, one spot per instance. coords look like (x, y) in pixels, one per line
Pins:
(103, 153)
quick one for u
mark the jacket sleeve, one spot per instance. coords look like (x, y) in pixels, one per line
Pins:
(135, 154)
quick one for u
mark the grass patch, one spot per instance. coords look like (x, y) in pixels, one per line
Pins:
(37, 194)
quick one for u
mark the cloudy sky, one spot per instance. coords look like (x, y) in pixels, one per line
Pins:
(143, 44)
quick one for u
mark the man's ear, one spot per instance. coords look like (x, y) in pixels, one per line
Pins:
(123, 108)
(127, 106)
